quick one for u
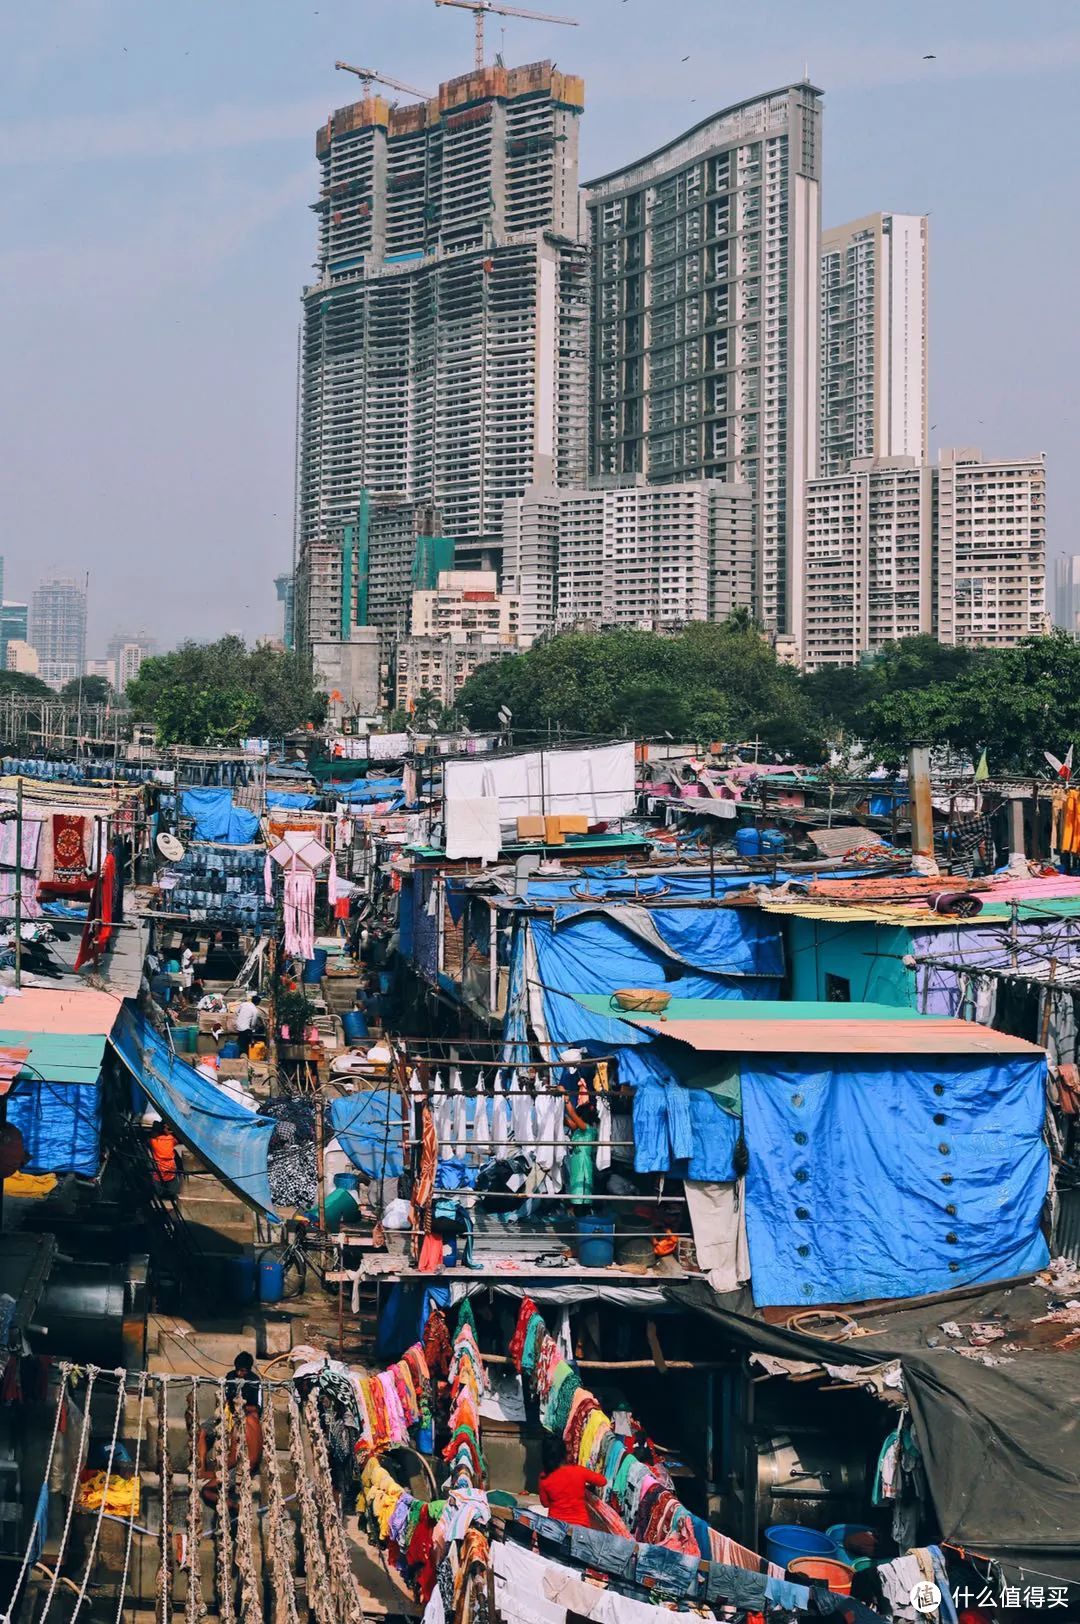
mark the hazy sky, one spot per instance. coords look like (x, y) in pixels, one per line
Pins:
(157, 160)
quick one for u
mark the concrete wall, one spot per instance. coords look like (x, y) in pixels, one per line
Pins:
(868, 957)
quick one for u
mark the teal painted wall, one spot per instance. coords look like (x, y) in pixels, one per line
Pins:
(868, 956)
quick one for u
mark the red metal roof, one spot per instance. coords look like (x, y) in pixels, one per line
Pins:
(11, 1063)
(77, 1011)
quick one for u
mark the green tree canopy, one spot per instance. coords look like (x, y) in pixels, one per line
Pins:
(91, 690)
(217, 693)
(21, 682)
(708, 682)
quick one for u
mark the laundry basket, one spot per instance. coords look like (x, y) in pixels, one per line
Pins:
(646, 1000)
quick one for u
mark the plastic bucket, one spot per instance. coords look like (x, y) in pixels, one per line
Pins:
(271, 1280)
(315, 967)
(839, 1533)
(239, 1276)
(822, 1570)
(787, 1542)
(596, 1247)
(747, 842)
(346, 1181)
(354, 1023)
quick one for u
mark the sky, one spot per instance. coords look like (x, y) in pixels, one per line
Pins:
(156, 166)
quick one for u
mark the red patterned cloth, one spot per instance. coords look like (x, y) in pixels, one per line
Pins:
(517, 1341)
(69, 852)
(437, 1343)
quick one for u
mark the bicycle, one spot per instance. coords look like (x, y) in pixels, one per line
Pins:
(294, 1258)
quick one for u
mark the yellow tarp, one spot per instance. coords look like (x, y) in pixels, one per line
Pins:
(30, 1185)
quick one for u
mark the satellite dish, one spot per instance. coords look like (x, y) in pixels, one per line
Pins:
(170, 848)
(506, 715)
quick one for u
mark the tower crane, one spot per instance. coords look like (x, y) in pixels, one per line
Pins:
(479, 7)
(368, 77)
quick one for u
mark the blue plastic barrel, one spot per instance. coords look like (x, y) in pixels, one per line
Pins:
(386, 981)
(786, 1542)
(271, 1280)
(747, 842)
(596, 1247)
(230, 1050)
(354, 1022)
(315, 967)
(839, 1533)
(240, 1279)
(773, 840)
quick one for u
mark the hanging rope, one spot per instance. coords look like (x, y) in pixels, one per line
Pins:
(134, 1499)
(250, 1598)
(226, 1611)
(319, 1597)
(165, 1564)
(121, 1395)
(195, 1605)
(61, 1399)
(277, 1541)
(84, 1431)
(344, 1586)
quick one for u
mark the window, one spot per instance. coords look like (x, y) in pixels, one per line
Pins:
(837, 989)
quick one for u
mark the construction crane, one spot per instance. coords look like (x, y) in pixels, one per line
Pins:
(479, 7)
(368, 77)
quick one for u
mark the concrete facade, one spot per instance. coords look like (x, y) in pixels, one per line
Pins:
(352, 673)
(895, 548)
(629, 554)
(441, 665)
(58, 629)
(874, 340)
(989, 548)
(1066, 605)
(445, 343)
(466, 601)
(705, 319)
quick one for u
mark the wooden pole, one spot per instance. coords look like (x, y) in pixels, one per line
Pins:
(320, 1154)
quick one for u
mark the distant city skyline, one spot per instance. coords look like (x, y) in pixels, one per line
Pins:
(150, 375)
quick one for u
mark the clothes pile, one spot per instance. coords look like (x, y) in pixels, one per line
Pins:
(291, 1153)
(647, 1505)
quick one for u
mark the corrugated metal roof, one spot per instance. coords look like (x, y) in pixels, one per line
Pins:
(73, 1010)
(823, 1029)
(61, 1057)
(11, 1063)
(758, 1009)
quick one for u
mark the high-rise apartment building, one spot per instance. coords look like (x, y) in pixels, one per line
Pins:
(1066, 601)
(58, 629)
(869, 559)
(629, 554)
(365, 571)
(445, 344)
(705, 317)
(440, 665)
(989, 548)
(874, 340)
(466, 601)
(895, 548)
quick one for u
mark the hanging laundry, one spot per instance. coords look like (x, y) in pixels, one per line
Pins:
(443, 1114)
(459, 1116)
(300, 913)
(332, 881)
(500, 1114)
(481, 1130)
(522, 1114)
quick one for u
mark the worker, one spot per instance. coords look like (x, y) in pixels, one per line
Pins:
(577, 1079)
(563, 1484)
(207, 1451)
(187, 963)
(243, 1374)
(165, 1159)
(249, 1021)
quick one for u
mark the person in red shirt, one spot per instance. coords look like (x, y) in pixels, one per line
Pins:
(563, 1485)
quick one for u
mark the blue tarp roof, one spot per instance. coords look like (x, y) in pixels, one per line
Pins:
(216, 818)
(369, 1128)
(231, 1140)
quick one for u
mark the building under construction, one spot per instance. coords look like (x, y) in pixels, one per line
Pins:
(445, 344)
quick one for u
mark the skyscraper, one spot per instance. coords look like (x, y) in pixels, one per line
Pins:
(874, 340)
(989, 548)
(705, 314)
(1067, 593)
(445, 343)
(58, 629)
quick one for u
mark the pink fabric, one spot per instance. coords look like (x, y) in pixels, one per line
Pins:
(300, 913)
(732, 1554)
(332, 883)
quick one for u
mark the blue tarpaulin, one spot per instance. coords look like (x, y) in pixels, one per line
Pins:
(232, 1141)
(216, 818)
(846, 1196)
(369, 789)
(597, 956)
(291, 800)
(369, 1128)
(60, 1124)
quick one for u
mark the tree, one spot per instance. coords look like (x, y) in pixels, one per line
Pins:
(707, 682)
(87, 690)
(218, 693)
(21, 682)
